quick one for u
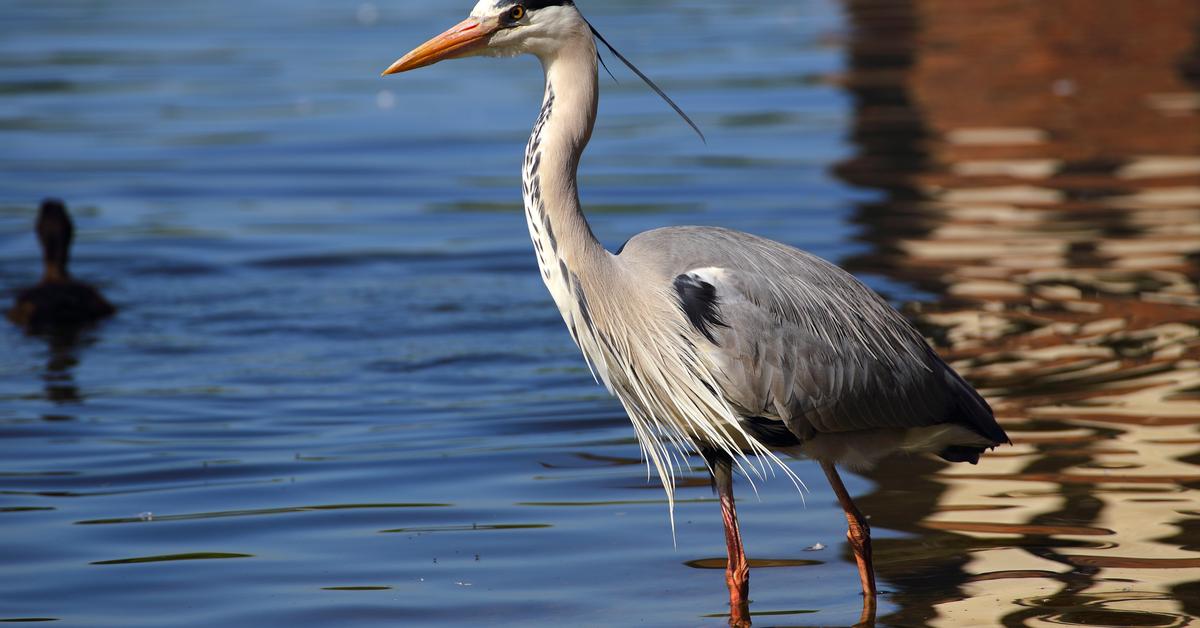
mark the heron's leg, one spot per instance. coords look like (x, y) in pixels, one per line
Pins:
(737, 570)
(859, 533)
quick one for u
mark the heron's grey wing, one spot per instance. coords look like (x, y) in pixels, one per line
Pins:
(772, 363)
(799, 340)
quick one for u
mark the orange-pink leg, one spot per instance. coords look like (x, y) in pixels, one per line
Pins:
(737, 570)
(858, 534)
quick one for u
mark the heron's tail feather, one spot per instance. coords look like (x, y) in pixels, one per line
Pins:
(971, 410)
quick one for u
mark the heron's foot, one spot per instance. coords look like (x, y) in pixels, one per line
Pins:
(737, 576)
(739, 616)
(859, 537)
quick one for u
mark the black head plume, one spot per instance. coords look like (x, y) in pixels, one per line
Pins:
(658, 90)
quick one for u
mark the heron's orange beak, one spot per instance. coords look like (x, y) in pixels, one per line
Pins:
(464, 38)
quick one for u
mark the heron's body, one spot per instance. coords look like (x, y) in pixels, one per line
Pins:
(716, 340)
(799, 354)
(807, 356)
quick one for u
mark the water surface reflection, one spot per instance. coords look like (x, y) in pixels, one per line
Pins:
(1040, 164)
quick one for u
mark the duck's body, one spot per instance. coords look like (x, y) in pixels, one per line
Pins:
(58, 301)
(68, 303)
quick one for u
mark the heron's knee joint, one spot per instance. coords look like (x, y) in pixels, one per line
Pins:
(860, 540)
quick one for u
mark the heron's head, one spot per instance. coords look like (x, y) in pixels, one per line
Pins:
(506, 28)
(501, 28)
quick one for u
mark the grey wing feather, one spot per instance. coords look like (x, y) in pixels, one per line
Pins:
(804, 342)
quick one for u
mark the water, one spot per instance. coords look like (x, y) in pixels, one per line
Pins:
(338, 394)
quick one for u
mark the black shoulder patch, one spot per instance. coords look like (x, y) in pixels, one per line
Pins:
(698, 300)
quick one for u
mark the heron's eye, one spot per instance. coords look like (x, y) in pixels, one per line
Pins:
(516, 13)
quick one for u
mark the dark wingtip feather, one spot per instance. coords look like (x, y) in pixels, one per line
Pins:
(972, 410)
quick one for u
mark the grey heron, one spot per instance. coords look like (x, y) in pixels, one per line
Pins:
(714, 340)
(58, 301)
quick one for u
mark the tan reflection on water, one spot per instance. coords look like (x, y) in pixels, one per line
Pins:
(1041, 167)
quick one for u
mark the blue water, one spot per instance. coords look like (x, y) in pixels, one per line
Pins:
(337, 393)
(335, 365)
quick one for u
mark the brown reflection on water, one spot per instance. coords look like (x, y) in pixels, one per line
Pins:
(1040, 169)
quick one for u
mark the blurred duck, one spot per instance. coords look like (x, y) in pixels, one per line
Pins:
(57, 301)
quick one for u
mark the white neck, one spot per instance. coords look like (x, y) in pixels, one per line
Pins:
(565, 246)
(628, 325)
